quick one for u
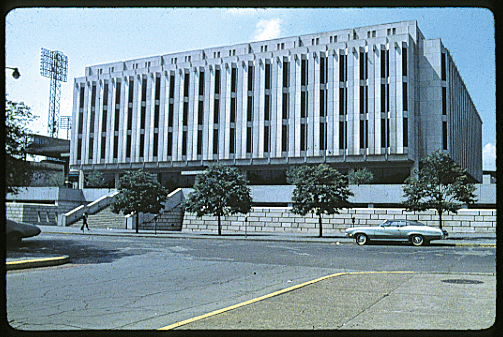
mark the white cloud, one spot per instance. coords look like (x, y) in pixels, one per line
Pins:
(489, 157)
(268, 29)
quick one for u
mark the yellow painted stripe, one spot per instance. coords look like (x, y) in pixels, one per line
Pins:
(37, 260)
(279, 292)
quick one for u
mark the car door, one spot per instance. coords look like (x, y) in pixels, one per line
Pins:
(391, 232)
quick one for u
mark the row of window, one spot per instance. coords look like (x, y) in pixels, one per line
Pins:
(267, 104)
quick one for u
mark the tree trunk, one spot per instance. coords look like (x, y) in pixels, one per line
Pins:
(321, 228)
(440, 218)
(219, 226)
(137, 221)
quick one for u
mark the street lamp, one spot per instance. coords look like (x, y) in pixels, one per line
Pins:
(15, 73)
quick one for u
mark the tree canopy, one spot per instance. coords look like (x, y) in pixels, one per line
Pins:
(17, 171)
(319, 190)
(139, 191)
(360, 176)
(220, 190)
(439, 184)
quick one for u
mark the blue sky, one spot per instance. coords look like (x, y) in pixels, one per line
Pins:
(95, 36)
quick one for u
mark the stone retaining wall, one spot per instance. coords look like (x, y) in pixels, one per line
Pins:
(37, 214)
(281, 219)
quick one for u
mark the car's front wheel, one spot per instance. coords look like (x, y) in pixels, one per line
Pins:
(417, 240)
(361, 239)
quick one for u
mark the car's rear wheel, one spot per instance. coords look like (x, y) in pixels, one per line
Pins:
(361, 239)
(417, 240)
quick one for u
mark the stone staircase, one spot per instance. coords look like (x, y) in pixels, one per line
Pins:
(105, 219)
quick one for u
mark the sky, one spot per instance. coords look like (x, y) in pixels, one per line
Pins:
(91, 36)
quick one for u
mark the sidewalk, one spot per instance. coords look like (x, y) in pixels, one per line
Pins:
(365, 300)
(21, 262)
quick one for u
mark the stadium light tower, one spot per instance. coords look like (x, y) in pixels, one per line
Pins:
(54, 65)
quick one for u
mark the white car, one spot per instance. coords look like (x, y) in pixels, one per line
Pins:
(397, 230)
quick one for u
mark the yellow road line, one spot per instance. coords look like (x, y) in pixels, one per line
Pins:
(276, 293)
(37, 260)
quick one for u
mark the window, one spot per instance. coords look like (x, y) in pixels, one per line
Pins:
(216, 111)
(93, 103)
(184, 143)
(303, 137)
(323, 139)
(342, 135)
(284, 138)
(185, 113)
(170, 144)
(267, 107)
(266, 138)
(405, 100)
(342, 101)
(405, 132)
(267, 76)
(232, 140)
(444, 135)
(249, 109)
(233, 79)
(444, 70)
(233, 109)
(199, 142)
(91, 148)
(248, 139)
(186, 81)
(303, 75)
(201, 83)
(303, 104)
(404, 61)
(217, 81)
(103, 146)
(200, 113)
(285, 106)
(342, 68)
(363, 137)
(444, 101)
(250, 78)
(286, 66)
(215, 141)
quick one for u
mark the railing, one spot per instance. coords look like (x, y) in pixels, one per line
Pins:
(173, 199)
(94, 207)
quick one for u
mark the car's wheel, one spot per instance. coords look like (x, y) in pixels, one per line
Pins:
(361, 239)
(417, 240)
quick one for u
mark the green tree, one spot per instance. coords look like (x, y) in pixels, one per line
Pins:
(439, 184)
(139, 191)
(219, 190)
(360, 176)
(95, 179)
(319, 190)
(17, 170)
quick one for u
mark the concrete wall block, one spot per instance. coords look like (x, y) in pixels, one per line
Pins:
(489, 218)
(466, 217)
(265, 219)
(480, 224)
(424, 217)
(487, 212)
(286, 224)
(394, 211)
(312, 220)
(468, 212)
(253, 218)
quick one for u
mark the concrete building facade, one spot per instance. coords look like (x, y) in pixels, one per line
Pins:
(379, 97)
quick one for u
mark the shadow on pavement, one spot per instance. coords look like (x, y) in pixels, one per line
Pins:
(80, 252)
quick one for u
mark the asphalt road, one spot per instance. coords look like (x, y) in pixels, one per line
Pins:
(148, 283)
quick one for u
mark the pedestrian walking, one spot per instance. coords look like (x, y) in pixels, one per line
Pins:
(84, 222)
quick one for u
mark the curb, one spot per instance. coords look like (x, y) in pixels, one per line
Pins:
(37, 263)
(257, 238)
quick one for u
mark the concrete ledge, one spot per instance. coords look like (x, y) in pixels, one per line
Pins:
(37, 262)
